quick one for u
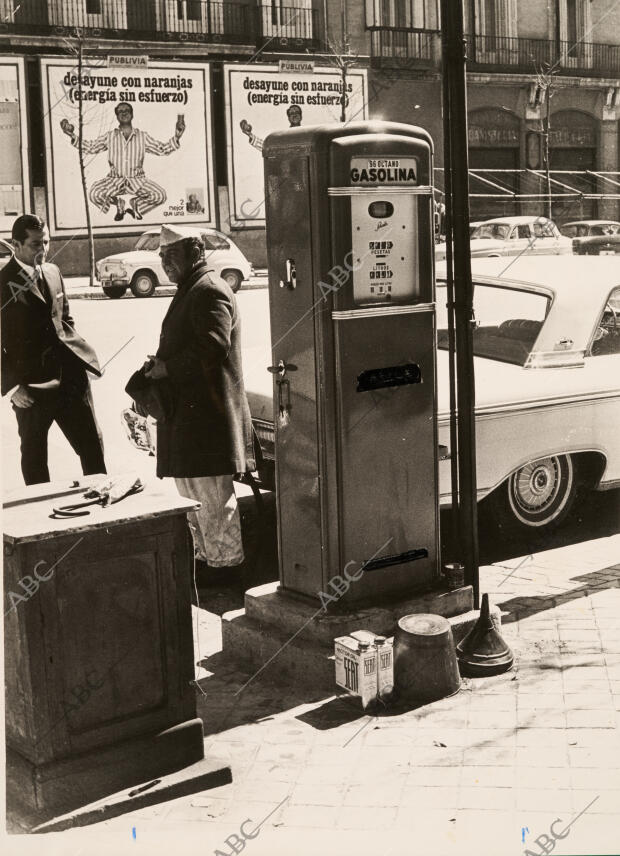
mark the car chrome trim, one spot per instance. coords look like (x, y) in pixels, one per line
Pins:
(377, 311)
(491, 410)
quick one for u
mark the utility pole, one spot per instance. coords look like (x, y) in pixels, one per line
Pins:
(457, 209)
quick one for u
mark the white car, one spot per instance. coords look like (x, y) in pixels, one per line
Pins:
(140, 269)
(547, 370)
(513, 236)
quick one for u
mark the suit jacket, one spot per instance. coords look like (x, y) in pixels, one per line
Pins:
(40, 347)
(210, 431)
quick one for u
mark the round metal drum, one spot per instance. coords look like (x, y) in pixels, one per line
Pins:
(425, 664)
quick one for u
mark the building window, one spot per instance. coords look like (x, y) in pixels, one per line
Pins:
(490, 19)
(93, 7)
(189, 10)
(291, 19)
(571, 21)
(403, 14)
(575, 27)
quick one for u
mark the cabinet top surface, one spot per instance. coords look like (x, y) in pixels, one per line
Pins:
(26, 512)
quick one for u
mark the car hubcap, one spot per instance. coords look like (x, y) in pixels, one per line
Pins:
(231, 280)
(535, 484)
(540, 490)
(143, 284)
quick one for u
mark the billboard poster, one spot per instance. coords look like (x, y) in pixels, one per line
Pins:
(14, 177)
(262, 99)
(146, 145)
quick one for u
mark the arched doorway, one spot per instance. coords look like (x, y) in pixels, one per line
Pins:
(573, 144)
(494, 143)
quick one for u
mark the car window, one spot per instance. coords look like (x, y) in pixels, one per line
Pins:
(604, 229)
(499, 231)
(569, 231)
(523, 231)
(583, 230)
(543, 229)
(607, 334)
(215, 242)
(148, 241)
(508, 322)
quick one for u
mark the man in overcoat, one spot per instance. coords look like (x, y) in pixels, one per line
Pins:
(44, 360)
(208, 438)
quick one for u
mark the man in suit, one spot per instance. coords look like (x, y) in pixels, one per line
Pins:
(209, 436)
(44, 361)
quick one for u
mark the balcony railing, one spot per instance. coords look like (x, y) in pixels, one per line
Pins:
(164, 20)
(403, 46)
(286, 27)
(584, 58)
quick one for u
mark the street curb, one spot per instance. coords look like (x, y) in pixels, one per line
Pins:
(86, 293)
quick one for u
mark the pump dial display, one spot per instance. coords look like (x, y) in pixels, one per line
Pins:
(384, 244)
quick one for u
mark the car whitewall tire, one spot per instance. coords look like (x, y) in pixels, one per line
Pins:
(541, 493)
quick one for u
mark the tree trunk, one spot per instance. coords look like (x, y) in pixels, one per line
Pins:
(89, 227)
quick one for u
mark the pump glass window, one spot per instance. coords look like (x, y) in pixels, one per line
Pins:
(508, 322)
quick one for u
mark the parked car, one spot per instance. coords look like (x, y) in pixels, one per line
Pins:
(513, 236)
(594, 237)
(547, 369)
(140, 269)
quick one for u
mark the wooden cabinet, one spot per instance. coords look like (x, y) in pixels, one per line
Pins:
(98, 645)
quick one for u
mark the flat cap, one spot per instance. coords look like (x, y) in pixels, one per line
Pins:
(172, 234)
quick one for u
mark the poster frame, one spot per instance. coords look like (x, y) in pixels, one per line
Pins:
(259, 223)
(19, 63)
(136, 228)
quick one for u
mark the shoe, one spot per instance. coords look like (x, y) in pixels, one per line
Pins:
(130, 211)
(207, 575)
(137, 214)
(119, 215)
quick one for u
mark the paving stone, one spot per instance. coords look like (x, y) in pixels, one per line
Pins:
(594, 779)
(493, 719)
(486, 798)
(330, 795)
(437, 797)
(384, 794)
(491, 777)
(540, 701)
(590, 719)
(592, 757)
(314, 816)
(552, 799)
(353, 817)
(596, 737)
(546, 737)
(542, 778)
(491, 703)
(541, 757)
(588, 701)
(490, 756)
(433, 777)
(320, 774)
(542, 718)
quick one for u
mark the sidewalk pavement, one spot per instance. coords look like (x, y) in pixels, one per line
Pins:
(489, 770)
(79, 287)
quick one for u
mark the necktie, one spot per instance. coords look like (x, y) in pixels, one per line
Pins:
(42, 286)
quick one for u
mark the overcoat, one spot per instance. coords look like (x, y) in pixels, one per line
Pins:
(40, 346)
(210, 431)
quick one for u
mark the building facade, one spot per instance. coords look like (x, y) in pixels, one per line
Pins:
(538, 73)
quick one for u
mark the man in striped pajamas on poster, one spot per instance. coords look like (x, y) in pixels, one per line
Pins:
(126, 147)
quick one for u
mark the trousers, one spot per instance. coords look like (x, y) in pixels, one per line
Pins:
(147, 194)
(217, 523)
(74, 414)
